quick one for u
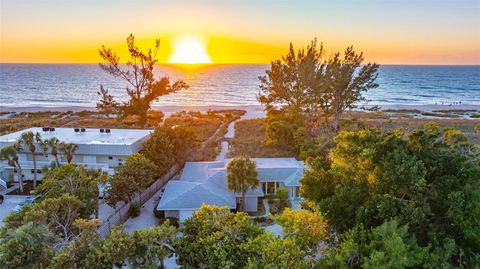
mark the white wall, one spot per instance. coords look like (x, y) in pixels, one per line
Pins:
(185, 214)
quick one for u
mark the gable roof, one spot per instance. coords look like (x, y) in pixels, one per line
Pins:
(206, 183)
(180, 195)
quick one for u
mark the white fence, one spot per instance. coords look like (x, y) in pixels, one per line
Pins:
(122, 213)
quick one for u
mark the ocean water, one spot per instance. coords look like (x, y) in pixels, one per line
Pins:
(62, 85)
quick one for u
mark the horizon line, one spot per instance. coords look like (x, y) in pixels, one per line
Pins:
(258, 63)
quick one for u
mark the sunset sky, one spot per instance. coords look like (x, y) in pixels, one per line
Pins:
(241, 31)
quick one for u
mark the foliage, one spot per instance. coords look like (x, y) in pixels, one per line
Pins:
(306, 228)
(75, 180)
(305, 83)
(135, 175)
(142, 87)
(273, 252)
(152, 246)
(242, 176)
(184, 141)
(9, 153)
(29, 139)
(425, 180)
(385, 246)
(29, 246)
(68, 149)
(159, 149)
(107, 104)
(216, 238)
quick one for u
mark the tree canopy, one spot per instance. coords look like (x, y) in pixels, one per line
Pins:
(242, 176)
(142, 86)
(425, 180)
(308, 84)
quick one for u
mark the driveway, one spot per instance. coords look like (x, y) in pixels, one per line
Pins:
(8, 205)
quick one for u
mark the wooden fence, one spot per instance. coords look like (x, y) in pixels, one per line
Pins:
(121, 214)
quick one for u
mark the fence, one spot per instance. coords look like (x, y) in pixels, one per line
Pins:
(122, 213)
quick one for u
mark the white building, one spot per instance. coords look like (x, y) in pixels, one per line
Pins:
(103, 149)
(206, 183)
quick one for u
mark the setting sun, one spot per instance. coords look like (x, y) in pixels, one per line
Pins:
(189, 50)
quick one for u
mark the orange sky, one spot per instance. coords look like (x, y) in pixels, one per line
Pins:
(388, 32)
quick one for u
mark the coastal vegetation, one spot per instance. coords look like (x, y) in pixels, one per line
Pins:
(242, 176)
(306, 84)
(142, 86)
(415, 188)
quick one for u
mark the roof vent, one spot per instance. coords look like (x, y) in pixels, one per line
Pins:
(76, 130)
(82, 130)
(102, 130)
(45, 129)
(51, 129)
(107, 131)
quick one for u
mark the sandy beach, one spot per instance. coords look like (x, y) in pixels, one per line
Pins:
(253, 111)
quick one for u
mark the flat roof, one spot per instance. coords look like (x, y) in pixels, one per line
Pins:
(91, 136)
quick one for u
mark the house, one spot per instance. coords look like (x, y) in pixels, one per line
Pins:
(206, 183)
(103, 149)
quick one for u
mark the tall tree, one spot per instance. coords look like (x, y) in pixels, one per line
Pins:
(68, 149)
(30, 246)
(345, 79)
(142, 87)
(242, 176)
(152, 246)
(75, 180)
(29, 139)
(304, 83)
(53, 144)
(9, 153)
(134, 176)
(290, 80)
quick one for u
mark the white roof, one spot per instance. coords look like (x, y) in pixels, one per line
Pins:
(91, 136)
(206, 183)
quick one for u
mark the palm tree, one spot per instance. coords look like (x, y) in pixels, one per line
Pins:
(9, 153)
(29, 139)
(68, 149)
(53, 143)
(242, 175)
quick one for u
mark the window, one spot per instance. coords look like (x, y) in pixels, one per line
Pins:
(110, 157)
(120, 159)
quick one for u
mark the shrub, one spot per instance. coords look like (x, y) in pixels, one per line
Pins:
(134, 210)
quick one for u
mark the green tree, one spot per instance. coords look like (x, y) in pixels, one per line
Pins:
(152, 246)
(242, 176)
(75, 180)
(385, 246)
(142, 87)
(343, 80)
(307, 228)
(30, 246)
(112, 251)
(29, 139)
(60, 214)
(216, 238)
(423, 179)
(304, 83)
(53, 144)
(76, 253)
(159, 148)
(184, 140)
(68, 150)
(135, 175)
(274, 252)
(9, 153)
